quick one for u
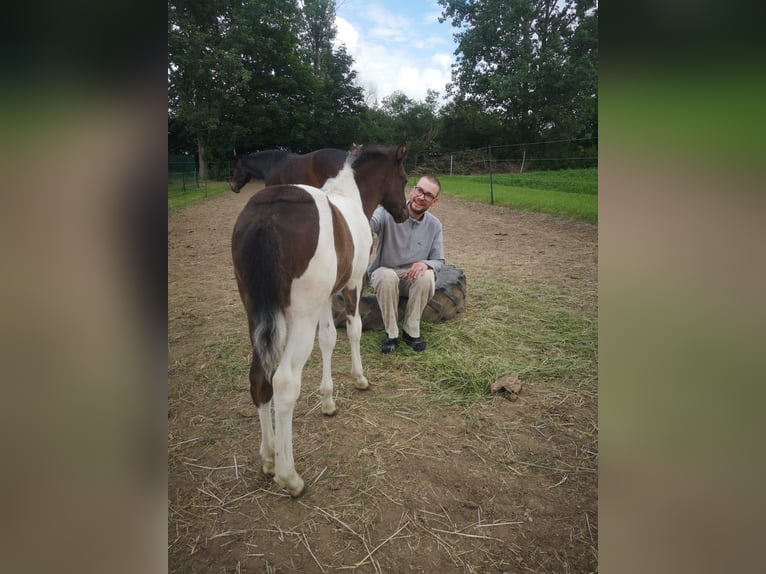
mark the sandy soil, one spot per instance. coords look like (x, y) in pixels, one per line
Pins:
(395, 482)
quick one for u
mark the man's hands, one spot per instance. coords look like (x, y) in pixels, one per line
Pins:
(417, 269)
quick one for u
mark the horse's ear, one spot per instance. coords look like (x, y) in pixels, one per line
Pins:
(401, 152)
(355, 150)
(235, 152)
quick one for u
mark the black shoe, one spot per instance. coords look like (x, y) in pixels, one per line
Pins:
(389, 345)
(417, 344)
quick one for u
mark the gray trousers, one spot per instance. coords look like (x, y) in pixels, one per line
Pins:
(389, 284)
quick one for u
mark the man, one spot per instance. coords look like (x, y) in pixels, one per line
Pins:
(408, 256)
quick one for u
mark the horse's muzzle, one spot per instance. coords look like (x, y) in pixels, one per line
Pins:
(399, 213)
(401, 216)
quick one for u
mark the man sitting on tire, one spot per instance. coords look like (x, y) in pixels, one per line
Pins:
(407, 259)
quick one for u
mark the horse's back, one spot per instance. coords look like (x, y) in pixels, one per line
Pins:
(261, 163)
(312, 169)
(291, 213)
(327, 163)
(330, 156)
(283, 193)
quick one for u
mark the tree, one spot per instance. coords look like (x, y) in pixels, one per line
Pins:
(335, 99)
(235, 75)
(337, 103)
(277, 99)
(249, 75)
(318, 31)
(413, 122)
(531, 62)
(465, 125)
(205, 73)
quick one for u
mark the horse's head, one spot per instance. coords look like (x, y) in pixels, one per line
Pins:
(239, 175)
(380, 176)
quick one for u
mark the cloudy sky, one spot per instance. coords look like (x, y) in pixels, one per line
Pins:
(397, 45)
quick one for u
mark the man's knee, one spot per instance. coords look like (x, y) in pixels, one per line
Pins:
(384, 278)
(425, 284)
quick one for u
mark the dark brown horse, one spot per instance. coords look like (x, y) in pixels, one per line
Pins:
(294, 246)
(277, 167)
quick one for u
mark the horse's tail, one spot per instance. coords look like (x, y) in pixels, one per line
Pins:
(258, 265)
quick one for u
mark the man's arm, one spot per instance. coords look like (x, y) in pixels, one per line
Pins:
(377, 219)
(436, 256)
(435, 259)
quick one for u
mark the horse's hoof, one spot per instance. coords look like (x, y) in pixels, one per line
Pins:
(268, 467)
(328, 407)
(294, 485)
(362, 384)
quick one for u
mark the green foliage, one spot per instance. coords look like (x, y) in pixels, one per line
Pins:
(531, 62)
(317, 32)
(411, 122)
(206, 74)
(465, 125)
(257, 74)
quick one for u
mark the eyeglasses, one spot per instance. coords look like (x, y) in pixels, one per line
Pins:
(420, 191)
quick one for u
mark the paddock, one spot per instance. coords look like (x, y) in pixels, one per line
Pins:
(399, 478)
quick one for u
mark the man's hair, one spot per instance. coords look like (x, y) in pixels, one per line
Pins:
(432, 179)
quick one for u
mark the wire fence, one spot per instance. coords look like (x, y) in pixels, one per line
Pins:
(491, 159)
(182, 173)
(513, 158)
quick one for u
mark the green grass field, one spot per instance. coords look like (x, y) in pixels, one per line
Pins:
(538, 332)
(182, 193)
(571, 194)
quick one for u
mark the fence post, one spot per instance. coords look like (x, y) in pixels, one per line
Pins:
(491, 186)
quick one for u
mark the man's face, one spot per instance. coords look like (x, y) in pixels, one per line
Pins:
(423, 195)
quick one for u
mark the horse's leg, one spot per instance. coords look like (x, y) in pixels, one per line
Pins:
(267, 438)
(287, 387)
(354, 330)
(327, 337)
(260, 391)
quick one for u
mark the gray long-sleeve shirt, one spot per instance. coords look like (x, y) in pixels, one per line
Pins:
(402, 244)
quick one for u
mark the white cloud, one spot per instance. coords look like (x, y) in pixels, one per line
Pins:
(393, 54)
(346, 34)
(442, 60)
(432, 17)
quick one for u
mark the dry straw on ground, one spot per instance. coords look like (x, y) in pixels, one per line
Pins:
(408, 476)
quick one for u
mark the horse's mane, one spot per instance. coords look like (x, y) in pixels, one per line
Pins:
(276, 153)
(368, 153)
(259, 163)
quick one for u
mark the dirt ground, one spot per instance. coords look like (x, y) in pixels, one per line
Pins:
(395, 482)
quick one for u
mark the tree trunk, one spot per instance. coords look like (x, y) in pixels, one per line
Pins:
(201, 154)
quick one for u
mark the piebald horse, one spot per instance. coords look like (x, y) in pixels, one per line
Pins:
(276, 167)
(294, 246)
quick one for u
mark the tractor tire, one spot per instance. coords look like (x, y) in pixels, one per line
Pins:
(448, 300)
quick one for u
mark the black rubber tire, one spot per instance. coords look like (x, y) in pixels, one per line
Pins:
(447, 302)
